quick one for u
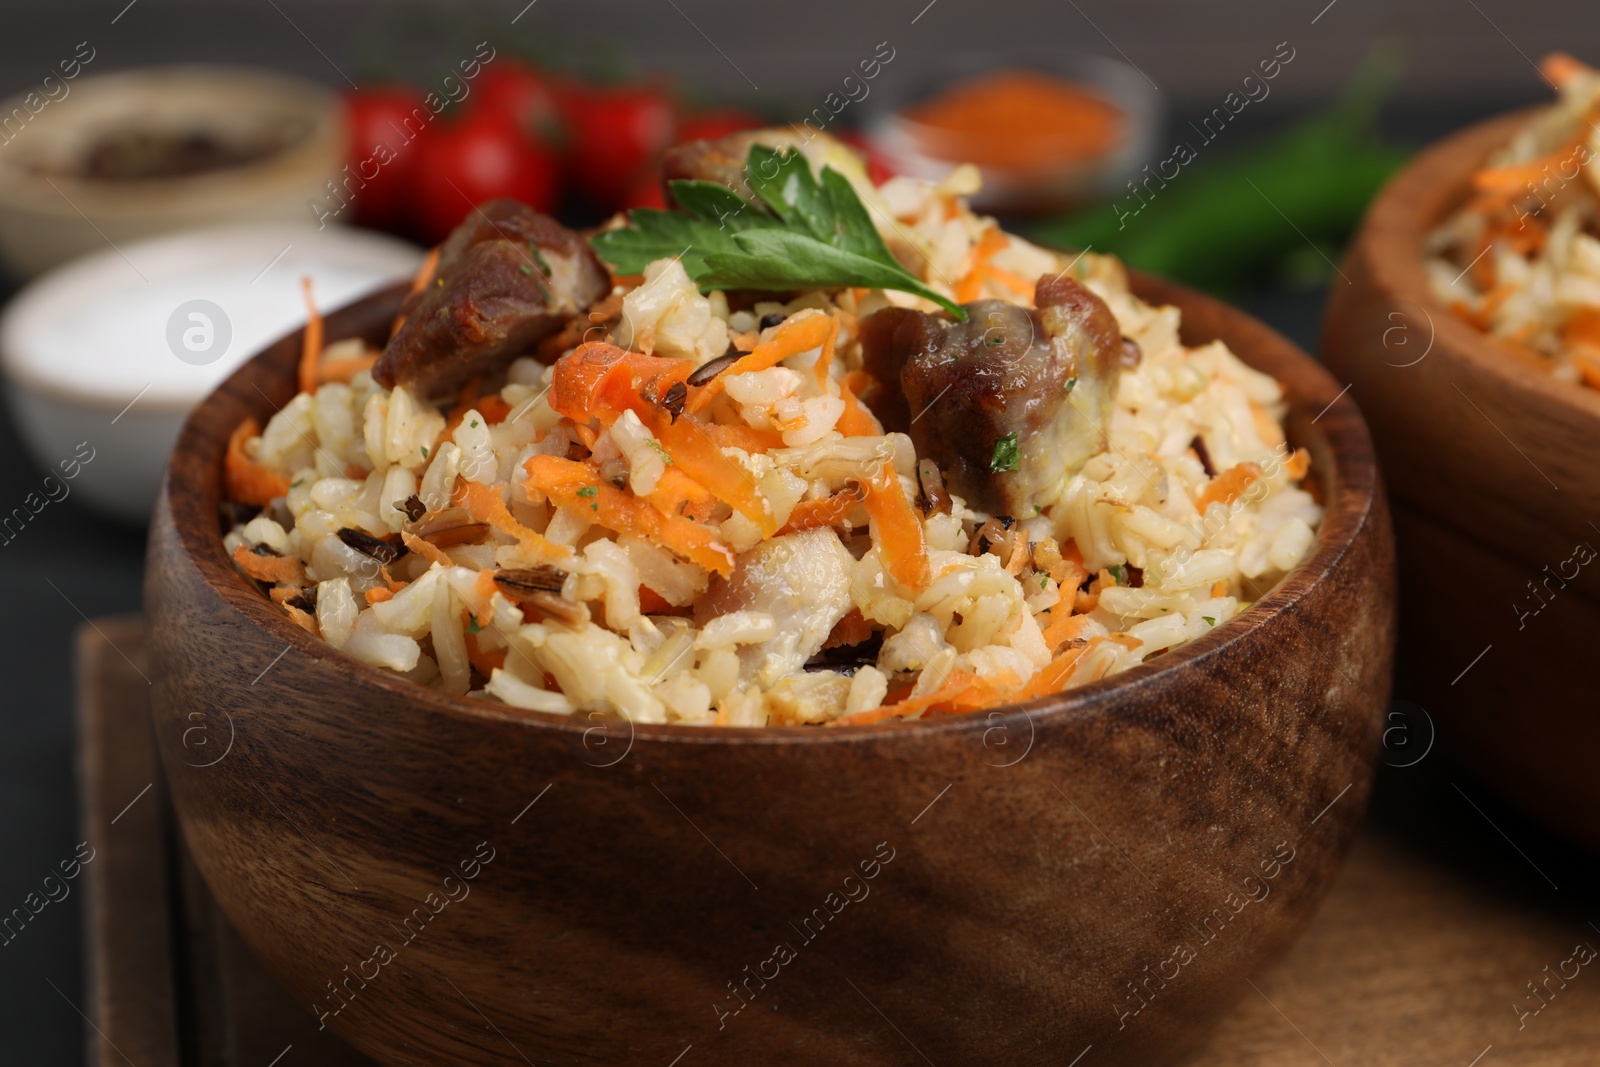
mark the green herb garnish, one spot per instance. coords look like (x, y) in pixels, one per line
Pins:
(802, 234)
(1209, 619)
(474, 424)
(1115, 570)
(1044, 580)
(1072, 383)
(526, 268)
(472, 625)
(666, 457)
(424, 451)
(1005, 454)
(589, 490)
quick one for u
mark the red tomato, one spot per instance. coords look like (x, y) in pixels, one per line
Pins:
(482, 157)
(646, 192)
(710, 125)
(615, 134)
(519, 92)
(380, 124)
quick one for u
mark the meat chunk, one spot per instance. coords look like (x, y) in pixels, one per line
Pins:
(1011, 402)
(507, 278)
(803, 581)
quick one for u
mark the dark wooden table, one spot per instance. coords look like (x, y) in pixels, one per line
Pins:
(1411, 961)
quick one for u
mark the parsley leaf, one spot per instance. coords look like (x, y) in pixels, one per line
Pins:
(1209, 619)
(1005, 454)
(589, 490)
(1069, 385)
(1115, 570)
(800, 233)
(473, 627)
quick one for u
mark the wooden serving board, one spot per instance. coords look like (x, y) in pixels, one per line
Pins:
(1412, 960)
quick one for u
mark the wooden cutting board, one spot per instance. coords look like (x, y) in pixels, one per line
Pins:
(1422, 954)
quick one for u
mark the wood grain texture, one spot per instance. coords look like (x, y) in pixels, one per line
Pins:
(1414, 957)
(1492, 462)
(1034, 864)
(130, 983)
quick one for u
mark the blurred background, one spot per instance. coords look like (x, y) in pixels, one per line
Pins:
(583, 97)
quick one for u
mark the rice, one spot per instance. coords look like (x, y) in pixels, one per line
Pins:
(493, 584)
(1520, 260)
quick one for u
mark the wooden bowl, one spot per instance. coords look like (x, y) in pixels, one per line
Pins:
(469, 883)
(1491, 462)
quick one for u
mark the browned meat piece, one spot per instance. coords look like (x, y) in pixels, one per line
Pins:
(507, 278)
(1011, 402)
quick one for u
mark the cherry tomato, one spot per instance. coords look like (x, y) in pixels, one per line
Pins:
(646, 192)
(383, 146)
(615, 134)
(482, 157)
(720, 122)
(520, 92)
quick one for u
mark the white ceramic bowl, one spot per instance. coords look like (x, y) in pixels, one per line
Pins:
(50, 212)
(106, 354)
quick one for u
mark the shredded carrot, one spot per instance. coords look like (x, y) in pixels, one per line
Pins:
(343, 370)
(747, 438)
(419, 281)
(1583, 327)
(247, 481)
(1219, 589)
(493, 408)
(856, 421)
(1053, 675)
(829, 511)
(1298, 464)
(1064, 625)
(311, 345)
(676, 494)
(698, 455)
(824, 364)
(601, 381)
(970, 287)
(378, 594)
(426, 549)
(801, 333)
(1588, 363)
(850, 630)
(898, 530)
(579, 487)
(270, 569)
(1227, 486)
(1561, 68)
(485, 663)
(486, 505)
(653, 603)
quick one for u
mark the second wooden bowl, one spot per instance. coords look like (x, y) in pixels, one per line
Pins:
(446, 881)
(1491, 463)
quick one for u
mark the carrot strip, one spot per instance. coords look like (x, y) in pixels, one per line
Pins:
(246, 481)
(601, 381)
(1053, 675)
(426, 549)
(343, 370)
(970, 287)
(1298, 464)
(829, 511)
(378, 594)
(856, 421)
(676, 491)
(1064, 625)
(824, 364)
(799, 334)
(747, 438)
(486, 505)
(311, 345)
(1227, 486)
(578, 487)
(697, 454)
(898, 530)
(270, 569)
(485, 663)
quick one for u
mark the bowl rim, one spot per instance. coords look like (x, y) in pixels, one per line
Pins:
(1406, 211)
(1351, 490)
(262, 90)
